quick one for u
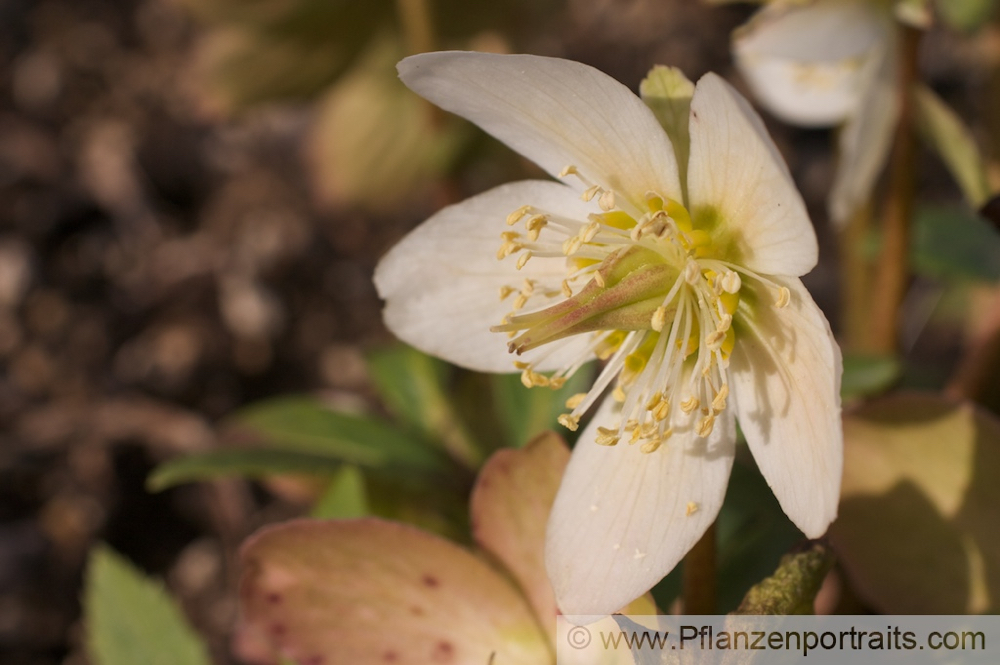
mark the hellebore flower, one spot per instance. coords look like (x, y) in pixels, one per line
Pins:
(681, 272)
(831, 62)
(371, 591)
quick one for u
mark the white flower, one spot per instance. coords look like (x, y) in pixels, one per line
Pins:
(824, 63)
(682, 276)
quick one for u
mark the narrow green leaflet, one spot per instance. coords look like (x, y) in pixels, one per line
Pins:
(413, 386)
(304, 424)
(950, 243)
(241, 462)
(130, 618)
(949, 136)
(793, 587)
(526, 412)
(868, 375)
(345, 496)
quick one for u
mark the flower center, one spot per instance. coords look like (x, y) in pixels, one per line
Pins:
(656, 294)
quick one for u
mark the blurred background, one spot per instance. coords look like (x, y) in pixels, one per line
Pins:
(193, 197)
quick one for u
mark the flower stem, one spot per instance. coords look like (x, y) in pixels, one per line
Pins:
(855, 271)
(893, 269)
(698, 583)
(415, 16)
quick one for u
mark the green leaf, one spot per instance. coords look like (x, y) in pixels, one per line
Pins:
(345, 496)
(527, 412)
(947, 134)
(966, 15)
(243, 462)
(306, 425)
(917, 527)
(868, 375)
(794, 586)
(130, 618)
(950, 243)
(412, 384)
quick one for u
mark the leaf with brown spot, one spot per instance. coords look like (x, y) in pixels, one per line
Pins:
(510, 507)
(348, 589)
(917, 532)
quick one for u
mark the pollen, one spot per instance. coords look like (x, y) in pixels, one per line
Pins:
(692, 508)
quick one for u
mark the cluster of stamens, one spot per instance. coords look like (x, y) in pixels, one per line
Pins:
(657, 302)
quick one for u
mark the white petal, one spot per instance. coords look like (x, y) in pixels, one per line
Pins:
(785, 381)
(556, 113)
(804, 62)
(441, 282)
(737, 171)
(866, 139)
(623, 519)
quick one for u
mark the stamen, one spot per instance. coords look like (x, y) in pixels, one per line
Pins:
(523, 259)
(516, 216)
(690, 404)
(569, 169)
(692, 508)
(590, 192)
(784, 296)
(607, 437)
(506, 291)
(575, 400)
(607, 201)
(569, 421)
(705, 426)
(651, 446)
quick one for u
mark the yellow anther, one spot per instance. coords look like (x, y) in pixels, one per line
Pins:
(569, 169)
(606, 436)
(571, 245)
(590, 192)
(690, 405)
(607, 201)
(618, 394)
(692, 508)
(509, 236)
(719, 403)
(531, 378)
(520, 364)
(659, 319)
(564, 288)
(654, 401)
(557, 382)
(730, 282)
(523, 259)
(662, 411)
(715, 339)
(784, 296)
(576, 400)
(706, 425)
(651, 446)
(569, 421)
(506, 291)
(516, 216)
(507, 249)
(649, 429)
(590, 231)
(520, 301)
(692, 273)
